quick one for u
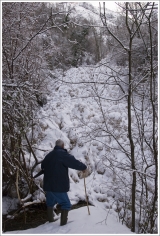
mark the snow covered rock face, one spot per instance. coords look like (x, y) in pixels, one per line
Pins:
(80, 124)
(94, 131)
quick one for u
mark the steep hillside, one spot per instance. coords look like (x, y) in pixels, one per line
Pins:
(71, 115)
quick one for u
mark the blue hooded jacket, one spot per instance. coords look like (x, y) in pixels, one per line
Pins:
(55, 166)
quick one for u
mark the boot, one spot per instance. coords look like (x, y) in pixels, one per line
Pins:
(64, 214)
(50, 214)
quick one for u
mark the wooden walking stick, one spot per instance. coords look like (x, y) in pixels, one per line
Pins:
(86, 193)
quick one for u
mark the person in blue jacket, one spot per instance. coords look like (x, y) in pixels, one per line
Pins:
(56, 180)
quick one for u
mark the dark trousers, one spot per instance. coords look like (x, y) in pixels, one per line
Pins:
(62, 199)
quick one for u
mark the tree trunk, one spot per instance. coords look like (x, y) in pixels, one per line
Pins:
(130, 122)
(131, 140)
(153, 99)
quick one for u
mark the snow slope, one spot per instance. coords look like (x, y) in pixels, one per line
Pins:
(62, 117)
(70, 114)
(98, 222)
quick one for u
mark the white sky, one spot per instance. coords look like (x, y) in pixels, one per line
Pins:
(109, 4)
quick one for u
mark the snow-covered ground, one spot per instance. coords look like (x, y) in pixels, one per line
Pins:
(99, 221)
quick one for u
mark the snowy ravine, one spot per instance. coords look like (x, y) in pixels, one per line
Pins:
(105, 111)
(62, 118)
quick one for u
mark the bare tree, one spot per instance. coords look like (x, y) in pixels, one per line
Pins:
(25, 26)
